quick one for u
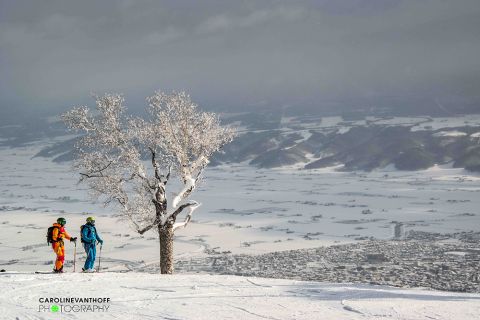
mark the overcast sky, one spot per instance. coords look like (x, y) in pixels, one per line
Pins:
(233, 53)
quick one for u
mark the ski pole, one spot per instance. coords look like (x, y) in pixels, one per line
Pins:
(74, 255)
(99, 257)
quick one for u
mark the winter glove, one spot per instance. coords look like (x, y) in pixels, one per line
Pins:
(74, 239)
(101, 242)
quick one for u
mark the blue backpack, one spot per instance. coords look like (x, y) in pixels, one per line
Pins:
(89, 230)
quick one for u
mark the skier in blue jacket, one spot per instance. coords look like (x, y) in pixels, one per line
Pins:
(89, 238)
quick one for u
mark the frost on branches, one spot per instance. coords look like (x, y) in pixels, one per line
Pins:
(178, 140)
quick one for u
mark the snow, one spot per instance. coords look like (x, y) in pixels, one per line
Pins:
(152, 296)
(190, 209)
(290, 125)
(189, 184)
(271, 209)
(326, 124)
(436, 123)
(306, 134)
(397, 121)
(453, 133)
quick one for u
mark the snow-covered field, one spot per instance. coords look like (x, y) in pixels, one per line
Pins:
(244, 210)
(151, 296)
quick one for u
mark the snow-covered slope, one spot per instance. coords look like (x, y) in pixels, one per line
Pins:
(152, 296)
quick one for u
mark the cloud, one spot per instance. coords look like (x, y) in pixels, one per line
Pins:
(229, 54)
(224, 22)
(169, 34)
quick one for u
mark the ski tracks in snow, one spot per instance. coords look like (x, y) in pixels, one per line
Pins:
(153, 296)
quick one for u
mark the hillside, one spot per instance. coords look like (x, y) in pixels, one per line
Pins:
(308, 142)
(414, 143)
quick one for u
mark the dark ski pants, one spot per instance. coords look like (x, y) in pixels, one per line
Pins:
(91, 251)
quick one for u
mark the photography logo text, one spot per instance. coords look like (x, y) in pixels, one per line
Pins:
(73, 304)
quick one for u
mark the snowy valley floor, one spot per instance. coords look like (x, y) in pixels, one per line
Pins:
(152, 296)
(418, 259)
(339, 227)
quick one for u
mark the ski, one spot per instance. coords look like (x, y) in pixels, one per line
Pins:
(25, 272)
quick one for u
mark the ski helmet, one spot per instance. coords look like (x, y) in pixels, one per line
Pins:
(91, 219)
(61, 221)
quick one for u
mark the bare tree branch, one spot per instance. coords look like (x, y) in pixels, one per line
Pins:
(155, 164)
(142, 231)
(168, 174)
(91, 176)
(192, 207)
(182, 207)
(100, 171)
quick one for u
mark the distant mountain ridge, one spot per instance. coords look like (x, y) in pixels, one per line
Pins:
(270, 140)
(360, 148)
(362, 144)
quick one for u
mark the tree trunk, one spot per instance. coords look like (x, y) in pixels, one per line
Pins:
(166, 249)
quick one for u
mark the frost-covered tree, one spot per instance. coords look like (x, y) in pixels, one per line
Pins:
(178, 140)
